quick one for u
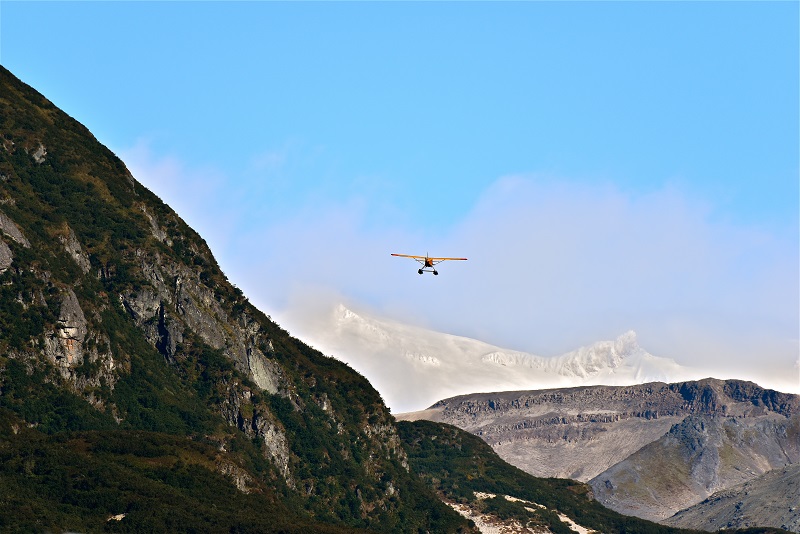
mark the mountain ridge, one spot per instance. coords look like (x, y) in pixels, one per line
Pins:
(770, 499)
(414, 367)
(699, 456)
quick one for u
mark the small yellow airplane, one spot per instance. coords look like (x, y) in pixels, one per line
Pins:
(427, 262)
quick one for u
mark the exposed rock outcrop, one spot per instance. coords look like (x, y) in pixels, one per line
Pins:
(256, 422)
(157, 231)
(10, 228)
(177, 299)
(277, 446)
(6, 257)
(64, 346)
(39, 154)
(75, 250)
(265, 373)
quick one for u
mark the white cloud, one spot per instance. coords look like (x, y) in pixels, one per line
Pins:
(556, 265)
(568, 253)
(553, 265)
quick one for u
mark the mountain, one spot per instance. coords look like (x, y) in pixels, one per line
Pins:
(414, 367)
(140, 391)
(772, 499)
(647, 450)
(701, 455)
(468, 475)
(131, 368)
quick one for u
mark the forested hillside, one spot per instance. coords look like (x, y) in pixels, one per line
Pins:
(117, 323)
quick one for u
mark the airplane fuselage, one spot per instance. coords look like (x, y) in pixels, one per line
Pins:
(427, 262)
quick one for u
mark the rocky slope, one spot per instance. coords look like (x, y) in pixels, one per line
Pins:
(697, 457)
(772, 499)
(648, 450)
(114, 315)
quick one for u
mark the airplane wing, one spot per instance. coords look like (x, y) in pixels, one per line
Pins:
(408, 256)
(426, 257)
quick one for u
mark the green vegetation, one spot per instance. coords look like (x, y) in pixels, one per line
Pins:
(133, 425)
(26, 392)
(78, 481)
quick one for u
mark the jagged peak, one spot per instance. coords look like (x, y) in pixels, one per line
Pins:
(594, 358)
(412, 365)
(627, 343)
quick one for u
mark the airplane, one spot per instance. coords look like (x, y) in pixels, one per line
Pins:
(427, 262)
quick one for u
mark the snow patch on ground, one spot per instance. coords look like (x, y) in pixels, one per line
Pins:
(489, 524)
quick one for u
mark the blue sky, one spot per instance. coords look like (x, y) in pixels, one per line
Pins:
(604, 165)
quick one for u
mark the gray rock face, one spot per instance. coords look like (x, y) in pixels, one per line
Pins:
(277, 446)
(65, 346)
(6, 257)
(72, 343)
(75, 250)
(770, 500)
(240, 412)
(266, 374)
(10, 228)
(196, 307)
(147, 309)
(39, 154)
(156, 230)
(176, 299)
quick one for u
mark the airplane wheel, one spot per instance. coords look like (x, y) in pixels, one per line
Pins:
(420, 271)
(436, 273)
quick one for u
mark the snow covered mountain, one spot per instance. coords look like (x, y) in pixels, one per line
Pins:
(413, 367)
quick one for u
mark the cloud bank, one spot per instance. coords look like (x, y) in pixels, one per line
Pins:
(580, 263)
(553, 264)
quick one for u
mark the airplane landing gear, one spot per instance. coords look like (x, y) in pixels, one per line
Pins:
(435, 273)
(420, 271)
